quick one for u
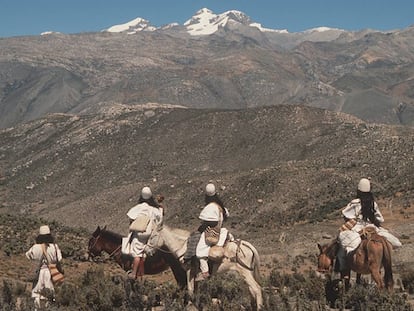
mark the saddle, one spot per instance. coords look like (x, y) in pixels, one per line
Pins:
(216, 253)
(367, 232)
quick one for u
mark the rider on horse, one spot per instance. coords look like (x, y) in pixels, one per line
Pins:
(143, 216)
(212, 233)
(360, 213)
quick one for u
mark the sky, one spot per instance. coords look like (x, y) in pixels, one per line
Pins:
(32, 17)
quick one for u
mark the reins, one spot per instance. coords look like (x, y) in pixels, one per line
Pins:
(96, 239)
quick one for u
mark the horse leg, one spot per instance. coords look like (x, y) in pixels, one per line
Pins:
(376, 275)
(358, 278)
(190, 283)
(254, 287)
(346, 276)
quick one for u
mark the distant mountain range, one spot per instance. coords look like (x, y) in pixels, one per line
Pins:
(224, 61)
(206, 22)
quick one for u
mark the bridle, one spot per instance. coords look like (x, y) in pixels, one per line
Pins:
(325, 270)
(95, 241)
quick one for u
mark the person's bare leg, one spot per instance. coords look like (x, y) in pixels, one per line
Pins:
(135, 265)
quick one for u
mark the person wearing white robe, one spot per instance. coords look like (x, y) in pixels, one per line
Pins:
(35, 253)
(365, 213)
(212, 215)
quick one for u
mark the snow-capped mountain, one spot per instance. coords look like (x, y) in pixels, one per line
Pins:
(134, 26)
(204, 22)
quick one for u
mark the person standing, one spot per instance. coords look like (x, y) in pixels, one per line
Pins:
(44, 251)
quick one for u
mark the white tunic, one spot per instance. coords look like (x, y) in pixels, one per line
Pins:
(35, 253)
(211, 212)
(350, 239)
(140, 239)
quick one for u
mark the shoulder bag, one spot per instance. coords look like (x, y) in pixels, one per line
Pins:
(56, 270)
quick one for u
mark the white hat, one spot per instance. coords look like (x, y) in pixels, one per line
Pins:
(44, 230)
(146, 193)
(210, 190)
(364, 185)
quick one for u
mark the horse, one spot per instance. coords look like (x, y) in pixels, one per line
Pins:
(103, 240)
(372, 254)
(239, 256)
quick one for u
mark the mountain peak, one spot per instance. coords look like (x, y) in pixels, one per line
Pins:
(137, 24)
(205, 22)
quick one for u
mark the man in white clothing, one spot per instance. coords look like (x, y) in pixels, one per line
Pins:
(212, 216)
(151, 214)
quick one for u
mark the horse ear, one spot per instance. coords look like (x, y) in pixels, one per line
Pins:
(104, 228)
(320, 247)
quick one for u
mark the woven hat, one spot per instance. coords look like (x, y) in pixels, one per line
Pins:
(146, 193)
(364, 185)
(210, 190)
(44, 230)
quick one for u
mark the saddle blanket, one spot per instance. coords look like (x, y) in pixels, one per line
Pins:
(192, 245)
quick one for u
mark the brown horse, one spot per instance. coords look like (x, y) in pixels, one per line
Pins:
(103, 240)
(372, 254)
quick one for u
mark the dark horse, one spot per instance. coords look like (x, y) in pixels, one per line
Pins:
(372, 254)
(111, 242)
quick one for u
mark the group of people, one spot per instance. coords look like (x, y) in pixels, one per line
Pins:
(361, 212)
(149, 212)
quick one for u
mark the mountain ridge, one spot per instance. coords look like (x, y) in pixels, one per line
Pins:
(206, 18)
(236, 67)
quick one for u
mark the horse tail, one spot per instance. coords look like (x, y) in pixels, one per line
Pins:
(255, 261)
(387, 263)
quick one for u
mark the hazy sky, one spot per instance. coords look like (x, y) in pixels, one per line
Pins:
(32, 17)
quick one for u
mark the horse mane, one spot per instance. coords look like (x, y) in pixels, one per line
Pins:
(177, 231)
(331, 248)
(111, 236)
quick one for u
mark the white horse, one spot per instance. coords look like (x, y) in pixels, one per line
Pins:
(239, 256)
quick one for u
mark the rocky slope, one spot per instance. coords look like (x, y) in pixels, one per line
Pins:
(275, 165)
(284, 172)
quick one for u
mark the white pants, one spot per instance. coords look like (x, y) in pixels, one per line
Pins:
(138, 244)
(350, 239)
(203, 248)
(45, 281)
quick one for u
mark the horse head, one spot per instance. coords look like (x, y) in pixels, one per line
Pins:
(327, 254)
(94, 247)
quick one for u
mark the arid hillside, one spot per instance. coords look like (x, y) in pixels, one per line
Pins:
(284, 172)
(274, 166)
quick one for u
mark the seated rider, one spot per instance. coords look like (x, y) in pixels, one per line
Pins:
(212, 216)
(360, 213)
(147, 208)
